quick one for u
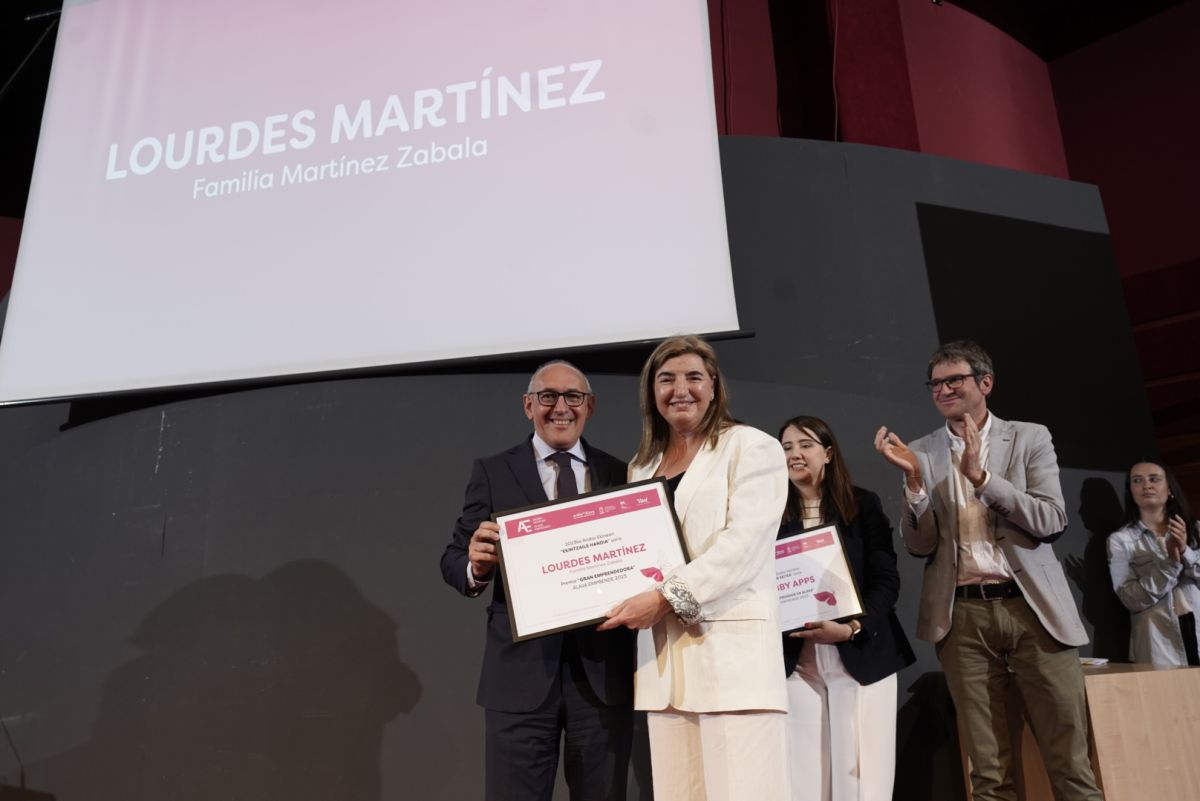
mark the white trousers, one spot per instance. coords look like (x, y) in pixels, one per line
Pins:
(841, 734)
(719, 756)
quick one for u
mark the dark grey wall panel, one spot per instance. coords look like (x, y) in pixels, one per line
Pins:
(238, 596)
(1078, 355)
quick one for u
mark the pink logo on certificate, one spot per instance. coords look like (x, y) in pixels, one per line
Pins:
(652, 573)
(581, 513)
(804, 544)
(827, 597)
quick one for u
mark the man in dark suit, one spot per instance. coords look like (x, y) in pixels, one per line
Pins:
(578, 683)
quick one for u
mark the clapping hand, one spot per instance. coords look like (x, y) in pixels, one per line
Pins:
(969, 465)
(1176, 540)
(892, 448)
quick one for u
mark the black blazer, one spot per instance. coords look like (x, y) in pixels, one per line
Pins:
(881, 649)
(517, 677)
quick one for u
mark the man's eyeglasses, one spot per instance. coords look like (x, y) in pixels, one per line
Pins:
(949, 382)
(548, 397)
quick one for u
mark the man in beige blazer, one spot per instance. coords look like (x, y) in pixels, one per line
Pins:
(982, 505)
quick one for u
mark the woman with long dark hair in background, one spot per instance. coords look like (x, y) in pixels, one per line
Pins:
(1154, 560)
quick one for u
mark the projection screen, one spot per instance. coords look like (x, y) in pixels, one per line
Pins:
(236, 190)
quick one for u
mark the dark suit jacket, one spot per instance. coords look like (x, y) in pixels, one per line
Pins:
(881, 649)
(517, 677)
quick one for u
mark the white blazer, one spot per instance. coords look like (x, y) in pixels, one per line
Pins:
(729, 504)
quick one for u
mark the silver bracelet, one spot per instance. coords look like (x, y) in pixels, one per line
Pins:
(686, 607)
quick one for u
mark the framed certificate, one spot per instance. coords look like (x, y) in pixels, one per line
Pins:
(814, 578)
(566, 563)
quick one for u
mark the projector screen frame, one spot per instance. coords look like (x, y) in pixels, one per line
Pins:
(619, 357)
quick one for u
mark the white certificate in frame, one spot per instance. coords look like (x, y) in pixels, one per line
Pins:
(814, 578)
(567, 563)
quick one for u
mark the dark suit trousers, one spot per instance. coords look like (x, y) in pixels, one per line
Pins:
(523, 747)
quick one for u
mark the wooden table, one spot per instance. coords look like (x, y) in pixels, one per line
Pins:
(1145, 734)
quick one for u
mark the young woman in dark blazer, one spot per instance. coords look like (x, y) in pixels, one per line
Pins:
(841, 678)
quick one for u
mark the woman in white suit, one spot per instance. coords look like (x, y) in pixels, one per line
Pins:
(709, 647)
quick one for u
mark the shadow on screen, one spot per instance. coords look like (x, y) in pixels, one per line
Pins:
(1100, 511)
(275, 689)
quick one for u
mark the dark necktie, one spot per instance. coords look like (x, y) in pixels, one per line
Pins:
(565, 487)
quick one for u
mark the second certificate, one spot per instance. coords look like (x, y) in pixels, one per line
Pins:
(814, 578)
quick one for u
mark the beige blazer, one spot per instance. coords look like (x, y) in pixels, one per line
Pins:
(729, 504)
(1025, 510)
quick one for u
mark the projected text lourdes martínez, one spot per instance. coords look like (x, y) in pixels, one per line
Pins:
(488, 97)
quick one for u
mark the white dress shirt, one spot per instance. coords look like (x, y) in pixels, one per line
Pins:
(980, 561)
(548, 473)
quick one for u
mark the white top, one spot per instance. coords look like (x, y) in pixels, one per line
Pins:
(1151, 585)
(548, 471)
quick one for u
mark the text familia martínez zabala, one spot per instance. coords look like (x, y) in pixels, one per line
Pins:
(490, 96)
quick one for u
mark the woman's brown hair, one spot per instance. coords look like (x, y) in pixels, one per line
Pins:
(837, 490)
(655, 431)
